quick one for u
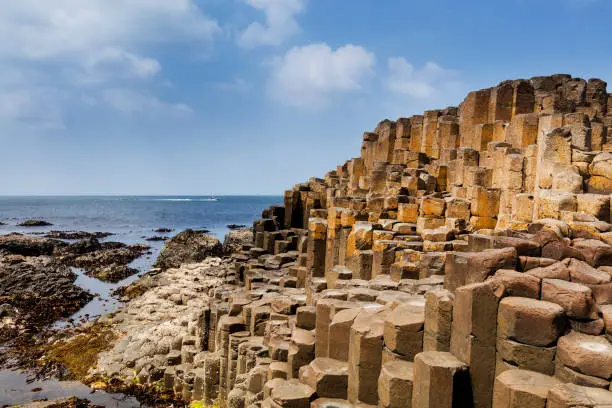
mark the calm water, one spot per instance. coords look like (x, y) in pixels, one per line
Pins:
(131, 219)
(17, 388)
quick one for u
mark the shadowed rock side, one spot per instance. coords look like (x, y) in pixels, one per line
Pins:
(464, 259)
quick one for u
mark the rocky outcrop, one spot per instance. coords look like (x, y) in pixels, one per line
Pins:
(157, 238)
(464, 259)
(19, 244)
(74, 235)
(236, 226)
(106, 261)
(34, 223)
(235, 240)
(187, 247)
(163, 230)
(35, 291)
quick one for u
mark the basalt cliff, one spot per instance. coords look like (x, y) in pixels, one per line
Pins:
(464, 259)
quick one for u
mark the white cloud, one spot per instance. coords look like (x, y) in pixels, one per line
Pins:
(62, 46)
(38, 29)
(424, 82)
(112, 63)
(132, 102)
(310, 75)
(280, 22)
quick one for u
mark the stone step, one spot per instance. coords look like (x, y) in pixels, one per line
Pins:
(327, 376)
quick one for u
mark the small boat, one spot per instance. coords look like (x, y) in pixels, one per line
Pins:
(211, 198)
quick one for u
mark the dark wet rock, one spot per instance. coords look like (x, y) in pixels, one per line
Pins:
(70, 402)
(156, 239)
(74, 235)
(235, 240)
(163, 230)
(188, 247)
(34, 223)
(19, 244)
(84, 246)
(106, 261)
(112, 273)
(114, 245)
(236, 226)
(147, 281)
(38, 290)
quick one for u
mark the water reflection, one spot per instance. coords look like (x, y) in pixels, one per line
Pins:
(17, 388)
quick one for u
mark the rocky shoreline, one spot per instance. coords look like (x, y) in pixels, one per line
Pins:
(37, 282)
(37, 287)
(464, 259)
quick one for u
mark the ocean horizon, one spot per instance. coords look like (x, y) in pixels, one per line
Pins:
(132, 219)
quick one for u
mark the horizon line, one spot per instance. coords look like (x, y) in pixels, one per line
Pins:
(141, 195)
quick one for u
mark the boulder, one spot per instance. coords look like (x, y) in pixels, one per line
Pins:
(236, 239)
(188, 247)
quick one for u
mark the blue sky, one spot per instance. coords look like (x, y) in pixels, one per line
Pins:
(252, 96)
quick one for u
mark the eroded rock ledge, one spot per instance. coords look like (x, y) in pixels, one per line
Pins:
(464, 259)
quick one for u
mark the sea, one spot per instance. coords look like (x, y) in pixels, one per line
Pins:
(131, 220)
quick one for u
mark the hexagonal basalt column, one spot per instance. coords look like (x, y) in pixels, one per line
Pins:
(440, 381)
(328, 377)
(522, 389)
(395, 385)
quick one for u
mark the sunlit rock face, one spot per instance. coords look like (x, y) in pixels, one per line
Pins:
(464, 258)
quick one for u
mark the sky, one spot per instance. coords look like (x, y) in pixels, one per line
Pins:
(193, 97)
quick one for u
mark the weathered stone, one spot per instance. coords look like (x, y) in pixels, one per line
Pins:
(526, 357)
(576, 299)
(590, 355)
(328, 377)
(471, 267)
(568, 375)
(530, 321)
(522, 389)
(292, 394)
(339, 333)
(306, 317)
(403, 331)
(301, 350)
(395, 385)
(473, 335)
(440, 381)
(438, 320)
(519, 284)
(571, 395)
(365, 358)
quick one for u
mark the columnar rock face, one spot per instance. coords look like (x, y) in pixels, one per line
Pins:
(464, 259)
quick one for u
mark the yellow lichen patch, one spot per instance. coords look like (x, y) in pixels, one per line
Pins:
(80, 352)
(201, 404)
(98, 385)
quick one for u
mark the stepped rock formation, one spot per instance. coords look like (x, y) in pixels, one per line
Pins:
(463, 260)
